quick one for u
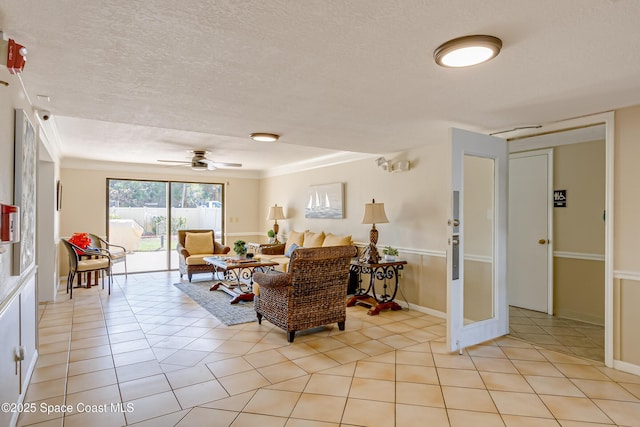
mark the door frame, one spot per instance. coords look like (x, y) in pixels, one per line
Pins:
(549, 153)
(519, 143)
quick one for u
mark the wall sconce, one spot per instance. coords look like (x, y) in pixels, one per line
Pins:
(393, 165)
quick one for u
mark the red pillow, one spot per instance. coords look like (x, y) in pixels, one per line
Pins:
(82, 240)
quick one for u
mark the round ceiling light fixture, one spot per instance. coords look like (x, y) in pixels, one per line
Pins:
(265, 137)
(468, 50)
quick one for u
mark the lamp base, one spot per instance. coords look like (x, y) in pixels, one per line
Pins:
(370, 255)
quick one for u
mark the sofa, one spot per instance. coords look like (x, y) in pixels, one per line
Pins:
(193, 246)
(281, 253)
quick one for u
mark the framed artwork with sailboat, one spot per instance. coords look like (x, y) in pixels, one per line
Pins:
(325, 201)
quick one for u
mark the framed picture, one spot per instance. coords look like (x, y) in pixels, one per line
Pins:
(24, 192)
(324, 201)
(58, 195)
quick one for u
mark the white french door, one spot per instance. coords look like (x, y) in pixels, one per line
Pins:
(477, 240)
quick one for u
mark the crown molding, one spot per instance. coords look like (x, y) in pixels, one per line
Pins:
(317, 162)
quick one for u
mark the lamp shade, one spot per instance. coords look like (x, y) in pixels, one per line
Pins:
(275, 213)
(374, 213)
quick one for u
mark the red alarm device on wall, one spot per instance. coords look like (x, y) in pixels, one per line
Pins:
(16, 57)
(9, 224)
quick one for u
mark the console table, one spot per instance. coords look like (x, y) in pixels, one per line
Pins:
(240, 273)
(387, 272)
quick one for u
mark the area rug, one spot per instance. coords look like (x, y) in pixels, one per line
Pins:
(218, 303)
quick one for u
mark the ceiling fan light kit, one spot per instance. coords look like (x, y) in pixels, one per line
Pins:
(467, 51)
(264, 137)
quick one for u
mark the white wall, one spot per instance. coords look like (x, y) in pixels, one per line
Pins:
(416, 204)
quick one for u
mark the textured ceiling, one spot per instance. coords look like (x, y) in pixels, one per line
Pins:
(140, 81)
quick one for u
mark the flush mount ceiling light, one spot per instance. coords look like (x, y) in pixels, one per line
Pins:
(467, 51)
(264, 137)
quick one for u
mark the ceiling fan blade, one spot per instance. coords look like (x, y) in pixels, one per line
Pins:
(174, 161)
(222, 164)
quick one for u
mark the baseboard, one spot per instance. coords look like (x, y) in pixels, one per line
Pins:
(581, 317)
(421, 309)
(626, 367)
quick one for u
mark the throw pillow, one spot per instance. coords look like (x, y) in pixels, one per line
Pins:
(199, 243)
(292, 248)
(335, 240)
(296, 237)
(313, 240)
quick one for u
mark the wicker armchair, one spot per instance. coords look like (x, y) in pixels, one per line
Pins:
(191, 263)
(312, 293)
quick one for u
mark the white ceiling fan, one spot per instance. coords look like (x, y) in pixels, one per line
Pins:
(199, 162)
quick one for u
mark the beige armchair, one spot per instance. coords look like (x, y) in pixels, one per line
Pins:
(193, 246)
(312, 293)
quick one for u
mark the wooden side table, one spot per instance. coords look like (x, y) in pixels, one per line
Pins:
(387, 272)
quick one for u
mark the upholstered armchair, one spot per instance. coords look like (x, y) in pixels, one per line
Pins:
(193, 246)
(312, 293)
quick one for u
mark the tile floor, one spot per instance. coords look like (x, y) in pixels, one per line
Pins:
(565, 335)
(168, 362)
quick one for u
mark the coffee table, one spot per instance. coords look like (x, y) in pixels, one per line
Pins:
(238, 274)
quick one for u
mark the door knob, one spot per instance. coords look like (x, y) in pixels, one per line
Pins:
(543, 241)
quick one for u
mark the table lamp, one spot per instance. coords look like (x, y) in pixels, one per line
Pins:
(373, 214)
(275, 213)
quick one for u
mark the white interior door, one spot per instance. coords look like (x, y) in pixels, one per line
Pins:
(476, 253)
(530, 260)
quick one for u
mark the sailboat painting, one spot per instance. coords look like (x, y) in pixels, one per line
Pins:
(324, 201)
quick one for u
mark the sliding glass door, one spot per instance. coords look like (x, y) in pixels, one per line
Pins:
(141, 220)
(195, 206)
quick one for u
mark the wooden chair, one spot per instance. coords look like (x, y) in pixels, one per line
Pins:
(117, 253)
(312, 293)
(86, 261)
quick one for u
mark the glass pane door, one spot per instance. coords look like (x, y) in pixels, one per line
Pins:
(137, 214)
(195, 206)
(476, 253)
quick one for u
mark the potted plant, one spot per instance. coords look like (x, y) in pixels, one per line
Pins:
(240, 248)
(390, 253)
(271, 234)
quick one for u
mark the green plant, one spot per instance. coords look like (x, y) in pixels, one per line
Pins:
(388, 250)
(240, 247)
(271, 233)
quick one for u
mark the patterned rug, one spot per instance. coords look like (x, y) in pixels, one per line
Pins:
(218, 303)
